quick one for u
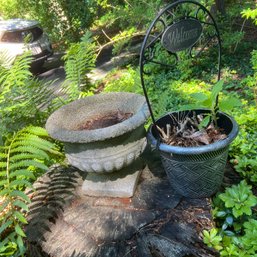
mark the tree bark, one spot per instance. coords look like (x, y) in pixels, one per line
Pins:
(220, 6)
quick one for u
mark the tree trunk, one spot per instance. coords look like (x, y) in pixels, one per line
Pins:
(220, 6)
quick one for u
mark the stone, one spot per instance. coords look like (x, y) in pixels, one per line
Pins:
(116, 184)
(101, 149)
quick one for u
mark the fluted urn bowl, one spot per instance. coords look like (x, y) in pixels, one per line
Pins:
(101, 133)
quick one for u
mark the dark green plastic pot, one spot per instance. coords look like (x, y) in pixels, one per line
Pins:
(195, 172)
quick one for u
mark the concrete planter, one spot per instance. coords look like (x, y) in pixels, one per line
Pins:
(101, 150)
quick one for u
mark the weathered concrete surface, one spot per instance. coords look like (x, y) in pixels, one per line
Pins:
(63, 123)
(154, 222)
(120, 184)
(104, 149)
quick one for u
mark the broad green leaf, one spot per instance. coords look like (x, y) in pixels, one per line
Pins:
(207, 103)
(236, 212)
(213, 232)
(3, 155)
(204, 123)
(216, 89)
(229, 103)
(188, 107)
(200, 97)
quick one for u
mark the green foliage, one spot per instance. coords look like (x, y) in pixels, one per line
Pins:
(64, 20)
(10, 9)
(127, 14)
(236, 222)
(212, 239)
(122, 39)
(211, 101)
(29, 97)
(123, 80)
(230, 35)
(250, 14)
(244, 148)
(240, 199)
(79, 61)
(254, 60)
(23, 155)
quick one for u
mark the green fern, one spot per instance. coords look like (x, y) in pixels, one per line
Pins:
(79, 61)
(22, 155)
(31, 99)
(16, 75)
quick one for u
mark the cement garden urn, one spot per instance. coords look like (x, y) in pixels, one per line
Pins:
(102, 134)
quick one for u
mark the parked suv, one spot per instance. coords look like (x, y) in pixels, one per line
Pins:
(19, 35)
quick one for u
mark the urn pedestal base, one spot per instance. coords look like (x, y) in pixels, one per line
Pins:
(120, 184)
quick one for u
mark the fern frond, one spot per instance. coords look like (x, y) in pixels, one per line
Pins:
(32, 97)
(27, 163)
(79, 61)
(22, 155)
(20, 183)
(36, 131)
(27, 140)
(22, 173)
(25, 156)
(29, 149)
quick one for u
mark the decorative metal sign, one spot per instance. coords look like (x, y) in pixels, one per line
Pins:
(181, 35)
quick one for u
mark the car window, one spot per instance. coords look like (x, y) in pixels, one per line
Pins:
(29, 35)
(37, 33)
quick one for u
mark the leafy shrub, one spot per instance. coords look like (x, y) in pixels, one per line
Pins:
(244, 148)
(236, 223)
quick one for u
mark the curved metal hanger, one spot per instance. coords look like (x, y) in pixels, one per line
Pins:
(178, 28)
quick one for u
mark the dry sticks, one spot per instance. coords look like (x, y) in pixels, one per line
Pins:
(186, 131)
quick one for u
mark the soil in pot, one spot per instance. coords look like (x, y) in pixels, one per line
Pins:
(187, 131)
(104, 121)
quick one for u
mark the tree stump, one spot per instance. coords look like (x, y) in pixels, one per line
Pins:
(155, 222)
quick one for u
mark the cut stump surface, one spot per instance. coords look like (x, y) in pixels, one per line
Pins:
(156, 222)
